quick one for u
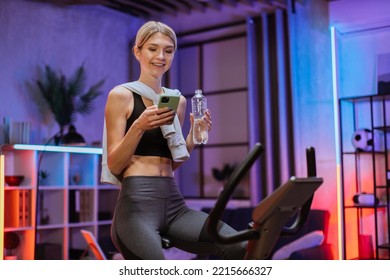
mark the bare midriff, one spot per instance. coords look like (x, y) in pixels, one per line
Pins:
(149, 166)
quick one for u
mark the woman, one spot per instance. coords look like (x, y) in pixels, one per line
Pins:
(150, 204)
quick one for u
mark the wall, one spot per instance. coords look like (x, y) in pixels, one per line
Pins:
(350, 14)
(34, 34)
(362, 36)
(313, 102)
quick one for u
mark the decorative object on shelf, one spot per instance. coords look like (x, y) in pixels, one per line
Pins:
(13, 180)
(363, 141)
(66, 97)
(19, 132)
(383, 87)
(11, 242)
(76, 179)
(388, 178)
(43, 175)
(44, 217)
(365, 199)
(75, 173)
(43, 212)
(72, 138)
(383, 73)
(16, 132)
(366, 248)
(6, 127)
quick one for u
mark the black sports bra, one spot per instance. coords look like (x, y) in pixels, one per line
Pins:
(152, 142)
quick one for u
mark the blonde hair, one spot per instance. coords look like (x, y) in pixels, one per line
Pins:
(153, 27)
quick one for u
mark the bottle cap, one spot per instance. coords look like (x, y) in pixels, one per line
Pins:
(198, 91)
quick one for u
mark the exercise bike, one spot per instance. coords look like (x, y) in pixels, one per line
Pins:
(290, 201)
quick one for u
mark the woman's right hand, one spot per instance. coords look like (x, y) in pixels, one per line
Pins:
(154, 117)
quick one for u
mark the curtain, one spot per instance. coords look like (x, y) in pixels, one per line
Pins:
(270, 102)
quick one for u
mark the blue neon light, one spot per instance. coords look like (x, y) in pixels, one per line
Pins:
(63, 149)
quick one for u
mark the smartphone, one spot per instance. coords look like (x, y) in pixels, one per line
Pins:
(167, 100)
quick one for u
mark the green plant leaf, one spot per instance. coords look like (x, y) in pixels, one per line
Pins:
(83, 105)
(67, 97)
(76, 83)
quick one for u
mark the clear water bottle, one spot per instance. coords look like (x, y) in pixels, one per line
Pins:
(199, 106)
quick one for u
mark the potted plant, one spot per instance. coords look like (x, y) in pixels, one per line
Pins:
(222, 175)
(66, 96)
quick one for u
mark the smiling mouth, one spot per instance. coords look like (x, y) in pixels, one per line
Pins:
(158, 64)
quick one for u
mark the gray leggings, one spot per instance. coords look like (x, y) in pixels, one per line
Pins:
(149, 207)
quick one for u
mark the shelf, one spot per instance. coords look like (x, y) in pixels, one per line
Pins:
(50, 226)
(365, 171)
(51, 188)
(384, 246)
(52, 213)
(365, 153)
(81, 187)
(58, 149)
(10, 188)
(104, 223)
(382, 187)
(366, 98)
(108, 187)
(81, 224)
(382, 128)
(366, 206)
(16, 229)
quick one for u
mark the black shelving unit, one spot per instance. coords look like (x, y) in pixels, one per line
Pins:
(365, 171)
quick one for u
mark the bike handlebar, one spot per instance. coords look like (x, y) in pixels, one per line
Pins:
(224, 197)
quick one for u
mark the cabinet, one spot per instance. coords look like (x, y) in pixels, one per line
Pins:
(46, 213)
(365, 151)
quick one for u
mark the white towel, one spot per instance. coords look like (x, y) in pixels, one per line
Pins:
(172, 133)
(106, 176)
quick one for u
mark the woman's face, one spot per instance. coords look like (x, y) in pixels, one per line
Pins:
(156, 55)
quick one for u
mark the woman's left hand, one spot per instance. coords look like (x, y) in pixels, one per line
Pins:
(207, 119)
